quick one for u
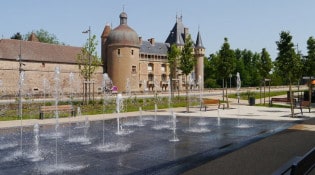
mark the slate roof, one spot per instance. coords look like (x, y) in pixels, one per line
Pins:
(177, 35)
(38, 52)
(199, 41)
(157, 48)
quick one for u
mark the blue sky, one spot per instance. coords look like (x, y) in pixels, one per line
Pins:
(248, 24)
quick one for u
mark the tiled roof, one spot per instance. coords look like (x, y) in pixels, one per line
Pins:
(37, 51)
(157, 48)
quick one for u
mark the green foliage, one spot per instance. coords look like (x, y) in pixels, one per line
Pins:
(173, 55)
(310, 58)
(187, 60)
(88, 59)
(17, 36)
(226, 60)
(45, 37)
(265, 63)
(187, 63)
(288, 63)
(31, 111)
(245, 95)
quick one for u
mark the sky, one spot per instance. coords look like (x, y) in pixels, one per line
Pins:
(248, 24)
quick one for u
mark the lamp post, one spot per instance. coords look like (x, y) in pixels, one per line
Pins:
(89, 68)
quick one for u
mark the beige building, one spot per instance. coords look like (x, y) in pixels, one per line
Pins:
(136, 65)
(38, 63)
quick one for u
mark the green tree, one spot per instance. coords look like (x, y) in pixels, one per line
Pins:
(173, 55)
(310, 63)
(88, 61)
(17, 36)
(45, 37)
(264, 67)
(209, 72)
(187, 63)
(226, 65)
(288, 63)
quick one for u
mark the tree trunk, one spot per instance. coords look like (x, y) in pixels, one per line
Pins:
(227, 98)
(310, 91)
(291, 99)
(187, 101)
(223, 89)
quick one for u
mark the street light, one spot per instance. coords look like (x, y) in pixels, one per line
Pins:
(89, 69)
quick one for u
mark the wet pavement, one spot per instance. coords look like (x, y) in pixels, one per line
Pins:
(269, 138)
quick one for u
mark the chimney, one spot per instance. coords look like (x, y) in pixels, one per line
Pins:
(186, 32)
(140, 40)
(152, 41)
(33, 37)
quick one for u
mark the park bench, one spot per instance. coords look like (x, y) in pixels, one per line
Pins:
(305, 104)
(209, 102)
(282, 100)
(49, 109)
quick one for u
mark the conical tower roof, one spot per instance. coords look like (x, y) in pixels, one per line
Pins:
(106, 31)
(199, 41)
(177, 34)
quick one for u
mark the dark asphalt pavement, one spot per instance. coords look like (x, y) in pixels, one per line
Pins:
(265, 156)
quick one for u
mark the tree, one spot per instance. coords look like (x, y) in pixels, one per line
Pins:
(173, 54)
(187, 63)
(88, 61)
(45, 37)
(288, 63)
(17, 36)
(209, 72)
(264, 66)
(226, 65)
(310, 63)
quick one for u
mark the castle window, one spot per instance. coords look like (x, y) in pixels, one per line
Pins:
(150, 67)
(163, 77)
(131, 52)
(151, 77)
(134, 69)
(163, 68)
(118, 51)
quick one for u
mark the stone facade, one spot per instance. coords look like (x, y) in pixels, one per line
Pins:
(39, 73)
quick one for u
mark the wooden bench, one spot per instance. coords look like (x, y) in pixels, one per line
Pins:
(305, 104)
(282, 100)
(48, 109)
(209, 102)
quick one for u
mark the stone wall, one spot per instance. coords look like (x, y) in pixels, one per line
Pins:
(39, 78)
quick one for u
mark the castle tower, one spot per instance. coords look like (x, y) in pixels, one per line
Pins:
(199, 56)
(122, 49)
(104, 37)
